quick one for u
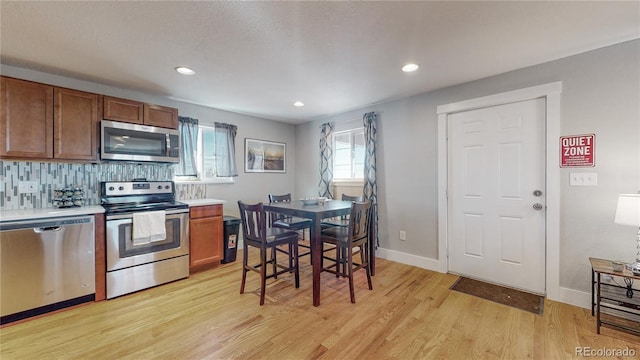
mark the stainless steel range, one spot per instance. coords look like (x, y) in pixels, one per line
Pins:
(142, 253)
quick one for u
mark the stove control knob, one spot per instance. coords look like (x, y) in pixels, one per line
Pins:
(166, 187)
(111, 188)
(121, 188)
(159, 187)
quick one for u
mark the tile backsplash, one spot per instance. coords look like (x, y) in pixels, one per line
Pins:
(50, 176)
(190, 191)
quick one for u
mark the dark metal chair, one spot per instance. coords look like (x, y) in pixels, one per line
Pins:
(345, 239)
(257, 234)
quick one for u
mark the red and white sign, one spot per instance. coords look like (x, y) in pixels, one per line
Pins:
(578, 150)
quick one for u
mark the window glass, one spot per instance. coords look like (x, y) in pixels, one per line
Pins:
(348, 154)
(206, 153)
(206, 157)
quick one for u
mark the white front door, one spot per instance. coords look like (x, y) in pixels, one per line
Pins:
(496, 194)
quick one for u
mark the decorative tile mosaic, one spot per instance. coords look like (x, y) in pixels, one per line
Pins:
(51, 176)
(191, 191)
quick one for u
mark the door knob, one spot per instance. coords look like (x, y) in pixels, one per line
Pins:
(537, 193)
(537, 206)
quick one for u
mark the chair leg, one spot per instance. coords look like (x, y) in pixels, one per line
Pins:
(311, 247)
(297, 264)
(338, 260)
(291, 258)
(274, 257)
(263, 274)
(344, 260)
(350, 270)
(245, 255)
(364, 254)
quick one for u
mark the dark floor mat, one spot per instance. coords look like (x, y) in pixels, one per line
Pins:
(500, 294)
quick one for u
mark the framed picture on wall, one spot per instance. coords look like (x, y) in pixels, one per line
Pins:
(262, 156)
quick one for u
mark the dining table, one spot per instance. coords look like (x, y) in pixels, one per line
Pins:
(316, 212)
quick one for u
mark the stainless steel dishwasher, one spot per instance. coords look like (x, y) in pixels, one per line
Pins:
(45, 265)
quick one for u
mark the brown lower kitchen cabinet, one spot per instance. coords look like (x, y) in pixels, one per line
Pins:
(205, 236)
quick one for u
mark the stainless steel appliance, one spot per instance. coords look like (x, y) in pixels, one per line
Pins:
(133, 266)
(124, 141)
(45, 265)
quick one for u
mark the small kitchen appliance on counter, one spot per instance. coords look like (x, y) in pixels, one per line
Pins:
(141, 254)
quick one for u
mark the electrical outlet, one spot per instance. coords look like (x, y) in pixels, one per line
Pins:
(27, 187)
(403, 235)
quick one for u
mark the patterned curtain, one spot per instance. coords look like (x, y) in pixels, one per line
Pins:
(225, 149)
(326, 161)
(188, 128)
(370, 184)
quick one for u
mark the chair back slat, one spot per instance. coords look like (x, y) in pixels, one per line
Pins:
(253, 218)
(352, 198)
(359, 217)
(356, 198)
(273, 216)
(280, 198)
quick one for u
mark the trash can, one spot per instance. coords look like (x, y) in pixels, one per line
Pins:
(231, 230)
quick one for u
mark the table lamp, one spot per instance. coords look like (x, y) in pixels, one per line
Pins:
(628, 213)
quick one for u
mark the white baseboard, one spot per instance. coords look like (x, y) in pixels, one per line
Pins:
(408, 259)
(573, 297)
(564, 295)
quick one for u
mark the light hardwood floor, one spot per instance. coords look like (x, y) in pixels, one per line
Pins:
(410, 314)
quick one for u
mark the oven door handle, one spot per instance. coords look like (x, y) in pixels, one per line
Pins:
(129, 215)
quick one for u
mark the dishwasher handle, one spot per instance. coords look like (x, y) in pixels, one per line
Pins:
(40, 230)
(46, 224)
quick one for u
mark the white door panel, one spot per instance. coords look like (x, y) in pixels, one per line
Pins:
(496, 162)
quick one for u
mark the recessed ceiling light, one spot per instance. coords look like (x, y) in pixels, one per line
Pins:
(185, 70)
(298, 103)
(410, 67)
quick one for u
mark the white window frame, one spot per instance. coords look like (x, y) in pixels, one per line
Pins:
(200, 164)
(351, 180)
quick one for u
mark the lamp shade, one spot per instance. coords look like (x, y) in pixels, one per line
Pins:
(628, 211)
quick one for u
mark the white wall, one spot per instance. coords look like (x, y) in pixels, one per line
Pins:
(250, 187)
(601, 95)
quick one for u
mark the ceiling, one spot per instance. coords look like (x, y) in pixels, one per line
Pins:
(258, 58)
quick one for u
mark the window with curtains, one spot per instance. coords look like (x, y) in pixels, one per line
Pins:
(212, 160)
(208, 158)
(348, 155)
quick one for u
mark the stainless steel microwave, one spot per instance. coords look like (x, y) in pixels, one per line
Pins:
(133, 142)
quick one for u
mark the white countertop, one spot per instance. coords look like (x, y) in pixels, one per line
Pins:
(27, 214)
(202, 202)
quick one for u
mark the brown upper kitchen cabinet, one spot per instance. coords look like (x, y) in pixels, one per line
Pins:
(26, 112)
(117, 109)
(205, 236)
(75, 125)
(41, 121)
(161, 116)
(139, 113)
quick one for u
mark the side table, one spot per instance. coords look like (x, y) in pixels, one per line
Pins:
(614, 303)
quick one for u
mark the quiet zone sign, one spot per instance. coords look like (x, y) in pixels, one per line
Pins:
(578, 150)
